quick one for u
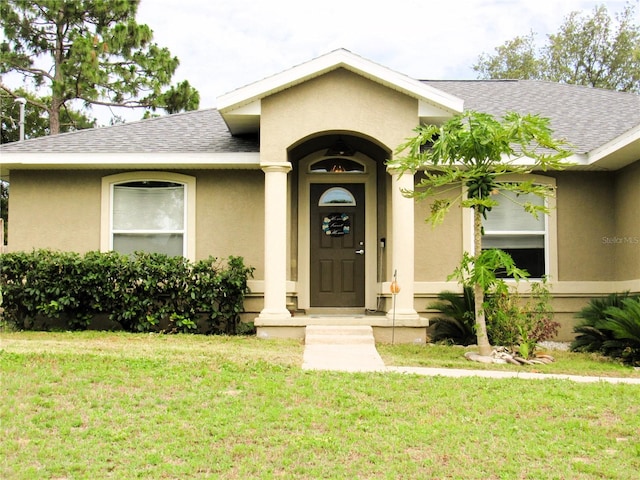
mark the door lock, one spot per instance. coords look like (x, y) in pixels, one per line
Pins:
(360, 252)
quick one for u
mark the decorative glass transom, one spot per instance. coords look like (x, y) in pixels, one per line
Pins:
(336, 165)
(337, 196)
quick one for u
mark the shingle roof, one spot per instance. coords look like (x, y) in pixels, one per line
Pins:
(587, 117)
(198, 131)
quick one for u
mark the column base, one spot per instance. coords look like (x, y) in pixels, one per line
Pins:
(403, 316)
(270, 315)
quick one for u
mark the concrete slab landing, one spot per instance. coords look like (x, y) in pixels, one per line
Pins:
(341, 348)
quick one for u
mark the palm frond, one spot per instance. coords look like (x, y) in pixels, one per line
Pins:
(457, 323)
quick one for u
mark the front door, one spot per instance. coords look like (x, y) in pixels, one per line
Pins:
(337, 245)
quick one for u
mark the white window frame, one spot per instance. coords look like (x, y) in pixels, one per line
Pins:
(106, 215)
(551, 227)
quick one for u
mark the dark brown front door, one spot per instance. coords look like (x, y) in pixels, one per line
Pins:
(337, 245)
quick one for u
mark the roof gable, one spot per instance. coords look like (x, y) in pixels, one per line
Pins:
(241, 108)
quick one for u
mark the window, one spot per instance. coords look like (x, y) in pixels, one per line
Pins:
(336, 165)
(510, 228)
(148, 216)
(337, 196)
(149, 211)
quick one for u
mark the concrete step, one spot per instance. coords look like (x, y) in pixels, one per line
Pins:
(339, 335)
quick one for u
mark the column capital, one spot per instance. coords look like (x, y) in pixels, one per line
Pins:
(283, 167)
(395, 169)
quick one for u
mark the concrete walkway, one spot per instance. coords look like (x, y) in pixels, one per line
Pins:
(352, 349)
(341, 348)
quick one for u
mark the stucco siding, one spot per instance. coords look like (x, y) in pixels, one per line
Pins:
(337, 101)
(585, 210)
(230, 216)
(625, 239)
(61, 210)
(438, 249)
(56, 209)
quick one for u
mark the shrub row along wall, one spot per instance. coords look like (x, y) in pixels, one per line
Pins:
(143, 292)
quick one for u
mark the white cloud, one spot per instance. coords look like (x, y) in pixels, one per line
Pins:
(226, 44)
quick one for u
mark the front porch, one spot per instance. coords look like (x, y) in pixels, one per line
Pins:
(385, 329)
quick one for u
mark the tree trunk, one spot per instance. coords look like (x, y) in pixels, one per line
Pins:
(484, 347)
(58, 80)
(54, 116)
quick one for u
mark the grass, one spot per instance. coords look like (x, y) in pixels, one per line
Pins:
(105, 405)
(568, 363)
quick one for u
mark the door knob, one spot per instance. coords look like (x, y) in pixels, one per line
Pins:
(360, 252)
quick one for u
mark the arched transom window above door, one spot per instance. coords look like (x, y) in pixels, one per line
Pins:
(336, 165)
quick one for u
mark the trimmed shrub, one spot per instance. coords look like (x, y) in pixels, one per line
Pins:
(141, 292)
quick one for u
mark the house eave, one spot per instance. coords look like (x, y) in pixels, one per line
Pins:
(94, 161)
(617, 153)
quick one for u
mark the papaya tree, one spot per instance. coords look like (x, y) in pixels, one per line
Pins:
(463, 161)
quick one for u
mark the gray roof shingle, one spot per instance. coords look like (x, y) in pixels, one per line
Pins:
(200, 131)
(587, 117)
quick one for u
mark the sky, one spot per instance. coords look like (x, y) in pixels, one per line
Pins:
(227, 44)
(223, 45)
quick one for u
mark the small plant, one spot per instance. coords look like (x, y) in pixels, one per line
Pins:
(511, 322)
(457, 323)
(624, 323)
(610, 326)
(517, 324)
(591, 330)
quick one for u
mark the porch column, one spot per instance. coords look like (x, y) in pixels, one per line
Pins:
(402, 246)
(275, 241)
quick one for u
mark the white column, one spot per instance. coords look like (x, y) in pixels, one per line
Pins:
(402, 246)
(275, 241)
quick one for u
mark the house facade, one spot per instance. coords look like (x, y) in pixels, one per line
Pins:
(292, 173)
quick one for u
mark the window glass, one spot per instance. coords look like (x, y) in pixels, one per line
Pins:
(169, 244)
(149, 216)
(337, 196)
(510, 228)
(510, 215)
(336, 165)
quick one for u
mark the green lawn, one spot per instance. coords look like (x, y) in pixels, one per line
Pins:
(110, 405)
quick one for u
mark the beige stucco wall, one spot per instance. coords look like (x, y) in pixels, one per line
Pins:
(438, 249)
(61, 210)
(585, 212)
(339, 101)
(624, 241)
(54, 209)
(230, 215)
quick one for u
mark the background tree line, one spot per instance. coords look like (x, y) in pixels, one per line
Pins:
(74, 54)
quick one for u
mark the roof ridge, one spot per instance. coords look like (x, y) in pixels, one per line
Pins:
(530, 80)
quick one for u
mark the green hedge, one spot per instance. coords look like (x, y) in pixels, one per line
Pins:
(144, 292)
